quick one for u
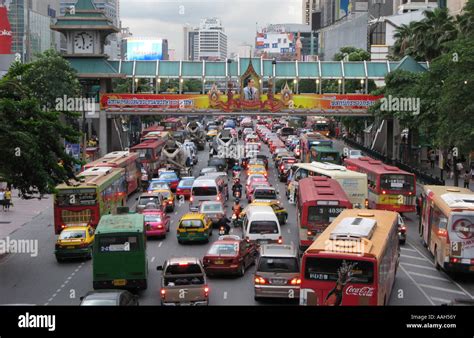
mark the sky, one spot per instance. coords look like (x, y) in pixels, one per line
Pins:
(166, 18)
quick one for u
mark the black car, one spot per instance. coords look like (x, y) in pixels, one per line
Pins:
(219, 163)
(109, 298)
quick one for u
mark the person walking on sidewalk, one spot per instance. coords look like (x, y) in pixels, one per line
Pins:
(2, 199)
(467, 178)
(8, 199)
(432, 158)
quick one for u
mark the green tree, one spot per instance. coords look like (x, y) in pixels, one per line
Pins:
(31, 131)
(353, 54)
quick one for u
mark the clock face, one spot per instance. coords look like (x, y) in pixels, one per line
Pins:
(83, 42)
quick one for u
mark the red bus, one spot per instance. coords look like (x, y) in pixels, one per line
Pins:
(149, 153)
(122, 159)
(173, 124)
(353, 262)
(98, 192)
(390, 188)
(155, 127)
(320, 200)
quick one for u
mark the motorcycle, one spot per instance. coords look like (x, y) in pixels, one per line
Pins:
(223, 231)
(235, 221)
(235, 174)
(237, 194)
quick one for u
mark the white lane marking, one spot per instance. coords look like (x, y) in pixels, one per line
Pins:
(419, 266)
(441, 300)
(427, 276)
(447, 276)
(59, 290)
(225, 295)
(54, 295)
(413, 257)
(441, 289)
(406, 249)
(152, 259)
(417, 285)
(159, 245)
(176, 213)
(289, 231)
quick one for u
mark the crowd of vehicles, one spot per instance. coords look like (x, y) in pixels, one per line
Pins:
(348, 217)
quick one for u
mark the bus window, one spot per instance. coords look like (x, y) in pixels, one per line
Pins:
(397, 182)
(118, 243)
(326, 269)
(323, 214)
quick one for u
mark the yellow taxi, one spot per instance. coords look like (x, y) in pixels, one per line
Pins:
(211, 134)
(194, 227)
(279, 210)
(169, 201)
(74, 242)
(257, 169)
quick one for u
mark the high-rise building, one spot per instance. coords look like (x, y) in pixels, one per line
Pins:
(111, 9)
(30, 23)
(309, 7)
(454, 6)
(206, 42)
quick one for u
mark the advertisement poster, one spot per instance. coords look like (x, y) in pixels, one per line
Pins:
(144, 50)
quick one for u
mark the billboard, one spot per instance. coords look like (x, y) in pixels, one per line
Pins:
(144, 49)
(5, 32)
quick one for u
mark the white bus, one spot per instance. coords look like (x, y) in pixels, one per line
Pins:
(353, 183)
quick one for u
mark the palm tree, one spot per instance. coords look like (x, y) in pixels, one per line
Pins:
(465, 21)
(404, 37)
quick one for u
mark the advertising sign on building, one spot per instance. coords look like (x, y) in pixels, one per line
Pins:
(144, 50)
(5, 32)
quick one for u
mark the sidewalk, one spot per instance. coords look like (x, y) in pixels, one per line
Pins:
(22, 212)
(449, 181)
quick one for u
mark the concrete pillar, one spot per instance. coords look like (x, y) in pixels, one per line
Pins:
(105, 85)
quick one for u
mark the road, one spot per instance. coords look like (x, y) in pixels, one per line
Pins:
(41, 280)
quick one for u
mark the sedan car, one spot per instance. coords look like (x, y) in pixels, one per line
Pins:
(184, 187)
(255, 178)
(158, 184)
(251, 189)
(171, 178)
(75, 242)
(147, 198)
(214, 210)
(157, 223)
(109, 298)
(229, 255)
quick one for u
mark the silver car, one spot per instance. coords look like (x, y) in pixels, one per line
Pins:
(278, 273)
(212, 209)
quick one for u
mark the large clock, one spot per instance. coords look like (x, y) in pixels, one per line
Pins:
(83, 42)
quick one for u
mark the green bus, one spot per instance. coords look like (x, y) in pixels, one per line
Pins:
(119, 252)
(325, 154)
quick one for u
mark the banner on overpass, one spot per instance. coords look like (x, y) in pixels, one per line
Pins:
(226, 103)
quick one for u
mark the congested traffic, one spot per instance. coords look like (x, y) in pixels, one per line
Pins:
(276, 202)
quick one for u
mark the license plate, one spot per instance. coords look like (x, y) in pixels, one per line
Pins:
(262, 242)
(71, 247)
(119, 282)
(219, 262)
(278, 281)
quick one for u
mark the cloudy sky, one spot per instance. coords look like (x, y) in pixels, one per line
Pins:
(166, 18)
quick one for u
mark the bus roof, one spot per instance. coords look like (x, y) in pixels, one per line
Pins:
(93, 179)
(375, 166)
(123, 223)
(354, 227)
(449, 198)
(321, 188)
(330, 170)
(114, 159)
(153, 143)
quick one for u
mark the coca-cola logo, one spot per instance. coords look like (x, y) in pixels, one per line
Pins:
(5, 33)
(365, 291)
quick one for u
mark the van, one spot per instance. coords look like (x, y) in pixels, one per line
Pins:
(261, 225)
(219, 174)
(207, 189)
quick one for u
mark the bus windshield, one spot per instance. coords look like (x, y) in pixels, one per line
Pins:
(323, 214)
(326, 270)
(397, 182)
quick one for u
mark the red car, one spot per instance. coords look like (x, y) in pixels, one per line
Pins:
(184, 187)
(252, 187)
(255, 178)
(230, 255)
(157, 223)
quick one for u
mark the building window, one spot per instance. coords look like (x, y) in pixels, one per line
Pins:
(274, 45)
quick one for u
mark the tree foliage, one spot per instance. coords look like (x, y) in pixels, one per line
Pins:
(31, 131)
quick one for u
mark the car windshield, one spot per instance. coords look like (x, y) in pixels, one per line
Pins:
(211, 207)
(191, 223)
(157, 185)
(183, 269)
(186, 183)
(168, 176)
(147, 199)
(99, 302)
(265, 194)
(263, 227)
(278, 264)
(224, 249)
(72, 234)
(152, 218)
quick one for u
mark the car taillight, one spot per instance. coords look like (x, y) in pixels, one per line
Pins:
(191, 198)
(170, 202)
(206, 291)
(247, 239)
(163, 293)
(295, 281)
(442, 233)
(280, 240)
(384, 192)
(454, 260)
(403, 229)
(366, 203)
(218, 198)
(309, 233)
(160, 226)
(282, 167)
(260, 280)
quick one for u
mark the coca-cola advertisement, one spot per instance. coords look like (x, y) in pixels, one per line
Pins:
(6, 34)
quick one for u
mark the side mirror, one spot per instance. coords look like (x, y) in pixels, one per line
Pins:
(159, 268)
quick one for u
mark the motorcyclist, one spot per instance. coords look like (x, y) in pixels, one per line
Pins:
(224, 222)
(237, 209)
(237, 187)
(236, 169)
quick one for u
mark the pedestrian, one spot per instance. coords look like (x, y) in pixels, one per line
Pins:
(2, 199)
(432, 158)
(8, 199)
(467, 178)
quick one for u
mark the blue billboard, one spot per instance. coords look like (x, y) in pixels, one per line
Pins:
(144, 50)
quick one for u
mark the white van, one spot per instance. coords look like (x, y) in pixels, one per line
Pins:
(260, 225)
(207, 189)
